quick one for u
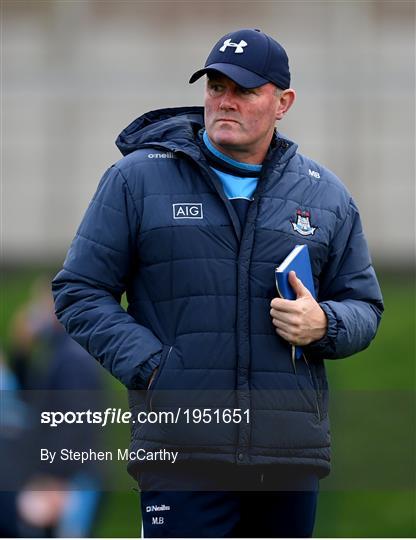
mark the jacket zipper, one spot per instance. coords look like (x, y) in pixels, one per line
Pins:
(233, 216)
(317, 392)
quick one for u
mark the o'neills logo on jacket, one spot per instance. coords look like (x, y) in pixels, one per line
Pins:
(164, 155)
(187, 211)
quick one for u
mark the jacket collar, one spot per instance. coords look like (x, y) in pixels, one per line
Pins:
(176, 129)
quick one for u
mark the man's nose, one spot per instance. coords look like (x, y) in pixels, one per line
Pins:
(228, 100)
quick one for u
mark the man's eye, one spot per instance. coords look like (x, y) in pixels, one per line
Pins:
(246, 91)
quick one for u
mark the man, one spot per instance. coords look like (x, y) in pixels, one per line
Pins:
(191, 224)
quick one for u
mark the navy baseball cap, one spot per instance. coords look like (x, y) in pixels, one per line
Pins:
(250, 58)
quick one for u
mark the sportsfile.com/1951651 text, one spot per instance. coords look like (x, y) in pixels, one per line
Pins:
(113, 415)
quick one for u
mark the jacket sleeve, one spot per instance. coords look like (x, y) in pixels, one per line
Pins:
(87, 291)
(349, 293)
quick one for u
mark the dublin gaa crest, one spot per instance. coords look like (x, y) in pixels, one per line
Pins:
(302, 225)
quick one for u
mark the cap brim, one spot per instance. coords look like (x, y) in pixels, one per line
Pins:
(241, 76)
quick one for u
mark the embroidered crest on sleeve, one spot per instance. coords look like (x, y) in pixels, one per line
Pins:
(302, 225)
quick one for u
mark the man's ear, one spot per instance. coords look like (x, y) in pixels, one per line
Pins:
(285, 101)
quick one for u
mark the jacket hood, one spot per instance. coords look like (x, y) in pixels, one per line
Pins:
(172, 128)
(176, 129)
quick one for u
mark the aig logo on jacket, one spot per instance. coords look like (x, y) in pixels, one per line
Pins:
(187, 211)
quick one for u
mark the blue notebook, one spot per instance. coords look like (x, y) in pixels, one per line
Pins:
(299, 261)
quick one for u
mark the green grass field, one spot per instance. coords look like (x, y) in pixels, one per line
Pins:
(371, 492)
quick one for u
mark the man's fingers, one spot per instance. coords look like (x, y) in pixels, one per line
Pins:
(284, 335)
(297, 285)
(287, 334)
(283, 316)
(281, 325)
(280, 304)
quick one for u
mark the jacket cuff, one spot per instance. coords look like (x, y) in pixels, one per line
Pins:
(326, 345)
(141, 380)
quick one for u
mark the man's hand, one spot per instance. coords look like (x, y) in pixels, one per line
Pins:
(299, 321)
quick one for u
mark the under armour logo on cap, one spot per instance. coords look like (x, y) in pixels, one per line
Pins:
(264, 60)
(239, 47)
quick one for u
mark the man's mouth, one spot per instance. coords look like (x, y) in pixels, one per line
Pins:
(227, 120)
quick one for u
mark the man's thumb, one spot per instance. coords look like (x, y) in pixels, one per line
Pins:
(297, 285)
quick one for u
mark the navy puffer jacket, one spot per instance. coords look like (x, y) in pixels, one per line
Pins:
(199, 289)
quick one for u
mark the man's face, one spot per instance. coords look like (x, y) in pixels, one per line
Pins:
(240, 121)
